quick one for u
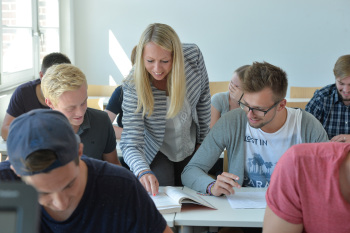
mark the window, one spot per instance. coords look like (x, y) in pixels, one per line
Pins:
(30, 30)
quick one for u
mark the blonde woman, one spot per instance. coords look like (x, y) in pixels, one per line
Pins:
(166, 107)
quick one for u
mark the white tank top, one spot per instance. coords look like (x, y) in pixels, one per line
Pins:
(180, 134)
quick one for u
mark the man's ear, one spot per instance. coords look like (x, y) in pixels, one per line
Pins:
(81, 149)
(41, 75)
(282, 105)
(49, 103)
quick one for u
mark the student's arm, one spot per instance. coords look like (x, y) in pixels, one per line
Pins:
(117, 130)
(6, 125)
(168, 230)
(215, 115)
(275, 224)
(112, 157)
(111, 115)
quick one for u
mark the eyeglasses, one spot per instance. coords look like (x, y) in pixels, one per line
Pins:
(256, 111)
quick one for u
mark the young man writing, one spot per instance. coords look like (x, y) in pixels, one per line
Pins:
(255, 135)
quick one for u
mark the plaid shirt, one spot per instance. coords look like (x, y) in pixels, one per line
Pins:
(327, 106)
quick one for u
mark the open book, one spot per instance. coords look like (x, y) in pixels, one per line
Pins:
(170, 199)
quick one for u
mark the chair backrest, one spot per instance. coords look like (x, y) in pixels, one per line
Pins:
(95, 103)
(216, 87)
(225, 168)
(303, 92)
(101, 90)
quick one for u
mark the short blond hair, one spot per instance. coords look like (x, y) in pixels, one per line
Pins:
(342, 67)
(165, 37)
(61, 78)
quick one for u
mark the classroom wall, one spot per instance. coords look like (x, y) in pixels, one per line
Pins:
(305, 38)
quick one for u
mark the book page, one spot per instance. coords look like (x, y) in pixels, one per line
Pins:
(182, 197)
(162, 200)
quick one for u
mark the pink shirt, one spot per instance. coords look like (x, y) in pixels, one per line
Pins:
(305, 188)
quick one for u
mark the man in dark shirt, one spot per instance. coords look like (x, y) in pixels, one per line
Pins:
(29, 96)
(65, 89)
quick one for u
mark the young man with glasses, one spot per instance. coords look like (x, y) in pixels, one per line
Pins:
(255, 135)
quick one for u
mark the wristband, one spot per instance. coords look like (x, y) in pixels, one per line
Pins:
(209, 187)
(146, 172)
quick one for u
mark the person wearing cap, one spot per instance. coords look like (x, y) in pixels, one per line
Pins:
(77, 193)
(29, 96)
(65, 89)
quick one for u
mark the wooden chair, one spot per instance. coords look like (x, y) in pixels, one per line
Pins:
(96, 91)
(302, 92)
(95, 103)
(305, 93)
(216, 87)
(225, 168)
(301, 105)
(101, 90)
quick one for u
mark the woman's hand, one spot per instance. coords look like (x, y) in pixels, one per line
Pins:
(235, 92)
(149, 182)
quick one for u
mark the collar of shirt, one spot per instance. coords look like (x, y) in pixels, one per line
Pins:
(85, 125)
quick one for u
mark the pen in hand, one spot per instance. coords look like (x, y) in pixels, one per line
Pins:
(224, 184)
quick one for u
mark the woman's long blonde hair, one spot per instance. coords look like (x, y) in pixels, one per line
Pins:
(165, 37)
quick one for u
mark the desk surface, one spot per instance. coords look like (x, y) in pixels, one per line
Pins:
(224, 216)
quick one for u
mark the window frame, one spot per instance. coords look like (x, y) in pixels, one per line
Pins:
(11, 80)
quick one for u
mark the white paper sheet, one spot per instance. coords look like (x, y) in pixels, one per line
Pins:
(247, 200)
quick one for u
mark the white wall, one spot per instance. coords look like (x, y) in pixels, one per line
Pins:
(305, 38)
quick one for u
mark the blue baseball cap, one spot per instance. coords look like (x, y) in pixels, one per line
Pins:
(41, 129)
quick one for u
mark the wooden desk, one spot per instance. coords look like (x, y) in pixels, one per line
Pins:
(224, 216)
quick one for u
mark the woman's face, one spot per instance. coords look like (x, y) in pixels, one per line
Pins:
(158, 61)
(235, 80)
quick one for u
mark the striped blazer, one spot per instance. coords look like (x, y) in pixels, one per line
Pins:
(142, 137)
